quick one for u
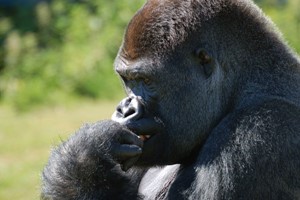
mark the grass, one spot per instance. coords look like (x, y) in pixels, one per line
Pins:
(26, 140)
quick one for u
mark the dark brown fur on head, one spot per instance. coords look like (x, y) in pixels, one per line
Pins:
(162, 24)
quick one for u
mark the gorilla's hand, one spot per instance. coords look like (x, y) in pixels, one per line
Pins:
(111, 140)
(124, 146)
(87, 163)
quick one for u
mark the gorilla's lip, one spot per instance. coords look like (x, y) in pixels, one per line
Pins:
(146, 128)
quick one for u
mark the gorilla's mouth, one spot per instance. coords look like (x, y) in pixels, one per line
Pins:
(145, 138)
(146, 128)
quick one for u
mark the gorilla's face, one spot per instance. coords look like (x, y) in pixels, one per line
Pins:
(173, 82)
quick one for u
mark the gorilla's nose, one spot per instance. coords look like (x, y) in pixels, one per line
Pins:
(129, 109)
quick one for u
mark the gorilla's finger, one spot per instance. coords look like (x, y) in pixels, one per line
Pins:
(126, 151)
(145, 126)
(129, 163)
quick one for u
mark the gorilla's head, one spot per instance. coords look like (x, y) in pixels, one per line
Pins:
(181, 63)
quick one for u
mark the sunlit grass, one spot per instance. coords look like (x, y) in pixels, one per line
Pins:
(26, 140)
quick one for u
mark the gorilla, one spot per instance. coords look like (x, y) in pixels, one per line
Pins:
(212, 112)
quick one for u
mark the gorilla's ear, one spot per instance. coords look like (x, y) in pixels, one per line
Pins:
(206, 60)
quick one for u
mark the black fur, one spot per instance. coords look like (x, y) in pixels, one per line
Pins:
(84, 168)
(224, 123)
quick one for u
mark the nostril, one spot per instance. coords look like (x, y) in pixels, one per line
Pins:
(119, 110)
(129, 112)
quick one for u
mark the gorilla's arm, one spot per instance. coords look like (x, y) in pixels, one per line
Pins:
(86, 165)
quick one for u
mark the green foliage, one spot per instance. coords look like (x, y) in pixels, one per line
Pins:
(61, 48)
(51, 51)
(286, 15)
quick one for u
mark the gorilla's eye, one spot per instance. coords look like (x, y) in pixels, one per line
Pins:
(206, 61)
(147, 81)
(127, 80)
(203, 56)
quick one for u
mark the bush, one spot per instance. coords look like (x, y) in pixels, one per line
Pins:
(61, 47)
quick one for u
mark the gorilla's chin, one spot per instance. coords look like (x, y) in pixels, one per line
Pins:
(154, 151)
(158, 151)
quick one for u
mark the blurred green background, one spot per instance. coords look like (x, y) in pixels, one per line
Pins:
(56, 73)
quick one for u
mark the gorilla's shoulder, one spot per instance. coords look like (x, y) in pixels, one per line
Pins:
(267, 126)
(277, 110)
(269, 116)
